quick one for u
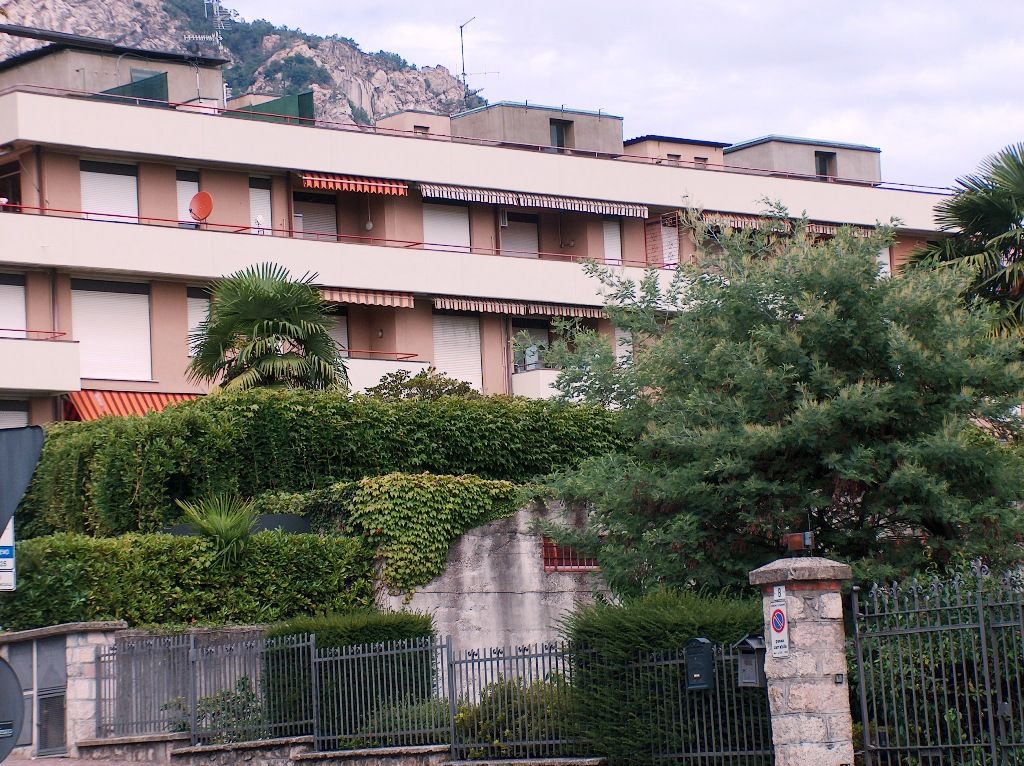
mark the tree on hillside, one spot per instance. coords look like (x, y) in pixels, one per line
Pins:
(782, 384)
(266, 329)
(986, 221)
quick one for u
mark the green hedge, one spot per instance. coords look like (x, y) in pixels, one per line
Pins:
(117, 474)
(361, 626)
(146, 579)
(609, 638)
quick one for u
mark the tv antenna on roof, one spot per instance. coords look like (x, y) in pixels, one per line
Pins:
(462, 49)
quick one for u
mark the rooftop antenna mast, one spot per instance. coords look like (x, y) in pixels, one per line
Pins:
(462, 48)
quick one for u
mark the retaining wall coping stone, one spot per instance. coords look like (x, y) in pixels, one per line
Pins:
(259, 744)
(370, 752)
(62, 630)
(135, 739)
(808, 568)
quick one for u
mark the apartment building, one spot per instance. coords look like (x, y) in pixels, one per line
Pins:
(437, 240)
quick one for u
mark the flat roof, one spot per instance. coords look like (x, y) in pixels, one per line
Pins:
(528, 105)
(797, 140)
(676, 140)
(61, 41)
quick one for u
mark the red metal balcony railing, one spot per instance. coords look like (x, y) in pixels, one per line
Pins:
(563, 151)
(384, 356)
(563, 558)
(19, 333)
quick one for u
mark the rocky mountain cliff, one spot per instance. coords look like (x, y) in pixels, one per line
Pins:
(349, 85)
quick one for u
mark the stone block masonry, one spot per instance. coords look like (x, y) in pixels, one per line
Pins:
(808, 690)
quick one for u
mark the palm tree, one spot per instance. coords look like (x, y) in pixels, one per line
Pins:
(266, 329)
(985, 216)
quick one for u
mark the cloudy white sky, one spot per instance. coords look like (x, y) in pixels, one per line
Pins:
(937, 84)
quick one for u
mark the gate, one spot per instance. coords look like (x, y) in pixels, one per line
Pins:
(940, 671)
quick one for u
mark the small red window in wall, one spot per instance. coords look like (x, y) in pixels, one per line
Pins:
(562, 558)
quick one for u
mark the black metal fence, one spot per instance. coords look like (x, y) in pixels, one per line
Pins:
(940, 671)
(540, 701)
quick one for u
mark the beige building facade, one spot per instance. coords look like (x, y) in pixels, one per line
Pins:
(431, 252)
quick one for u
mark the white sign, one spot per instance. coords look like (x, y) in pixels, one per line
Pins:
(7, 557)
(778, 624)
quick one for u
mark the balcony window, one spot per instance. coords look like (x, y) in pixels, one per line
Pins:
(187, 183)
(457, 348)
(12, 306)
(110, 191)
(316, 215)
(260, 206)
(521, 236)
(13, 414)
(825, 165)
(561, 134)
(446, 225)
(110, 321)
(198, 299)
(531, 338)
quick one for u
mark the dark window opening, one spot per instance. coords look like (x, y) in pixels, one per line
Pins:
(421, 129)
(825, 165)
(561, 133)
(700, 162)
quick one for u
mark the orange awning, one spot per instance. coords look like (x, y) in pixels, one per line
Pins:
(91, 405)
(355, 183)
(516, 308)
(368, 297)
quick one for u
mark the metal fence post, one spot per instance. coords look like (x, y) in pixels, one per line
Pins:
(193, 683)
(986, 670)
(865, 725)
(453, 705)
(99, 693)
(314, 684)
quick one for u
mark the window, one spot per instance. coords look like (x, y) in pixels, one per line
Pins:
(446, 225)
(144, 74)
(457, 348)
(339, 331)
(521, 237)
(532, 356)
(623, 346)
(700, 162)
(12, 306)
(613, 242)
(110, 321)
(825, 165)
(562, 558)
(318, 214)
(198, 300)
(260, 209)
(884, 262)
(561, 133)
(110, 191)
(674, 159)
(187, 187)
(421, 129)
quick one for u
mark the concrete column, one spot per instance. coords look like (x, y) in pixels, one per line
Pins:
(82, 691)
(808, 689)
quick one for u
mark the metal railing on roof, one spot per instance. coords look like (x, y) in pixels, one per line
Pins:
(251, 113)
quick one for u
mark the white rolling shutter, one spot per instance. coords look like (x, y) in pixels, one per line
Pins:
(13, 414)
(340, 332)
(111, 324)
(623, 345)
(12, 306)
(884, 262)
(198, 310)
(318, 218)
(669, 244)
(187, 187)
(613, 243)
(110, 192)
(260, 210)
(457, 348)
(446, 225)
(520, 238)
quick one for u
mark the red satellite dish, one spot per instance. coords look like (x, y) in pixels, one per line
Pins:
(201, 205)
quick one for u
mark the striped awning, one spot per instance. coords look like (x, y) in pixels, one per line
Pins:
(516, 308)
(521, 199)
(738, 221)
(355, 183)
(92, 405)
(368, 297)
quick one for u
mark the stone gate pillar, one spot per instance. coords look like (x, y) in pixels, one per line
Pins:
(805, 663)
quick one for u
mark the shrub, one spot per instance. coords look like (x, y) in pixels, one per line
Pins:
(147, 579)
(609, 638)
(425, 384)
(119, 475)
(363, 626)
(226, 521)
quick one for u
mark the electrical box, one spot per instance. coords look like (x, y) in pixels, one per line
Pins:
(699, 656)
(750, 665)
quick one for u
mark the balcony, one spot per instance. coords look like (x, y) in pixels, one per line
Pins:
(38, 364)
(535, 384)
(366, 368)
(133, 248)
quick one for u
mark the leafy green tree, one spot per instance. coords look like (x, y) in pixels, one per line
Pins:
(781, 383)
(267, 329)
(428, 384)
(986, 221)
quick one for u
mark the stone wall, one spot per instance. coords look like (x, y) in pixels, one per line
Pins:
(495, 592)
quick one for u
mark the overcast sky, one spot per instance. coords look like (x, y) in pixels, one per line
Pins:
(937, 84)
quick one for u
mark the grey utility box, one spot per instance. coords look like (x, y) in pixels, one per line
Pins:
(699, 656)
(750, 667)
